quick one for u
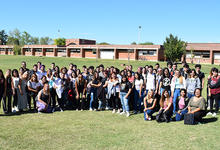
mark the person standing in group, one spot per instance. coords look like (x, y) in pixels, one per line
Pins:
(8, 92)
(33, 88)
(125, 90)
(15, 80)
(59, 90)
(150, 80)
(111, 94)
(149, 105)
(214, 91)
(138, 93)
(2, 85)
(22, 92)
(93, 105)
(165, 82)
(200, 75)
(80, 88)
(192, 82)
(178, 82)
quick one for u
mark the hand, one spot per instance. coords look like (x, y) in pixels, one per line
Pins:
(209, 94)
(77, 96)
(179, 112)
(126, 96)
(13, 92)
(155, 91)
(159, 92)
(145, 109)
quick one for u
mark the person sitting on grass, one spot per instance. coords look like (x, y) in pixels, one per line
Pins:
(197, 106)
(166, 108)
(43, 99)
(182, 105)
(149, 105)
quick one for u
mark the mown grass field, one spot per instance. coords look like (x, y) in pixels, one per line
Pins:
(99, 130)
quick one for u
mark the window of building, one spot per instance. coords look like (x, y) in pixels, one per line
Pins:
(147, 52)
(27, 50)
(38, 50)
(74, 50)
(2, 49)
(49, 50)
(61, 50)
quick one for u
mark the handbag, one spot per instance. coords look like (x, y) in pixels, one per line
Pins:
(189, 119)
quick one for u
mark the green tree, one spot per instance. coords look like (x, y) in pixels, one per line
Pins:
(146, 43)
(3, 37)
(104, 43)
(60, 41)
(34, 40)
(26, 38)
(174, 48)
(14, 37)
(45, 40)
(17, 50)
(133, 43)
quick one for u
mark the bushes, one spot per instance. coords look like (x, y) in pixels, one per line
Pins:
(17, 50)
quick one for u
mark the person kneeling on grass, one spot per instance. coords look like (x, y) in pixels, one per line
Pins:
(43, 99)
(197, 106)
(166, 108)
(182, 105)
(149, 105)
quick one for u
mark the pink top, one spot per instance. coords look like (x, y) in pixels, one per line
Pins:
(181, 103)
(165, 105)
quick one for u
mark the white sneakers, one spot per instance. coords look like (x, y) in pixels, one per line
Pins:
(122, 113)
(209, 113)
(113, 111)
(127, 114)
(214, 114)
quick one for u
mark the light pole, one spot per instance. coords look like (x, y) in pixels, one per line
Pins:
(139, 34)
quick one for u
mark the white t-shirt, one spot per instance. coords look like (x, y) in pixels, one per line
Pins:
(150, 82)
(15, 81)
(33, 85)
(138, 84)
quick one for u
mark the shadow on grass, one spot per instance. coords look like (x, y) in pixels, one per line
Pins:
(209, 120)
(19, 113)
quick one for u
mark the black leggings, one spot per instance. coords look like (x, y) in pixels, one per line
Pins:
(216, 98)
(7, 103)
(115, 101)
(80, 103)
(52, 98)
(34, 101)
(15, 99)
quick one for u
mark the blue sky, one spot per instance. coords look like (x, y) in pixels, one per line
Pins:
(115, 21)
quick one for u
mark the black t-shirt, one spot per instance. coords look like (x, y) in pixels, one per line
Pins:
(166, 81)
(125, 86)
(201, 75)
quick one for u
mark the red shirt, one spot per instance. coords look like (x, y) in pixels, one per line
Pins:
(214, 81)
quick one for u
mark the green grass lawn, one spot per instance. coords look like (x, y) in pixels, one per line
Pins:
(99, 130)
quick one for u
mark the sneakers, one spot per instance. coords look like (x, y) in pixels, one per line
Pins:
(61, 110)
(113, 111)
(118, 112)
(122, 113)
(90, 109)
(127, 114)
(209, 113)
(214, 114)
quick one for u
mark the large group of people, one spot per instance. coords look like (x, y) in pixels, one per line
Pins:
(170, 91)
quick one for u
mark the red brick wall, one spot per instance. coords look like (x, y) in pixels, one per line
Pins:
(10, 53)
(61, 54)
(51, 54)
(148, 58)
(2, 52)
(124, 55)
(199, 60)
(28, 54)
(77, 55)
(89, 54)
(38, 53)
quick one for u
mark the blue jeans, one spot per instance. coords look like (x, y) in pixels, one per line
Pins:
(189, 95)
(179, 117)
(175, 96)
(137, 100)
(92, 100)
(149, 112)
(124, 101)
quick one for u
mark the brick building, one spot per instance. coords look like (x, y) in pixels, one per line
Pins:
(208, 53)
